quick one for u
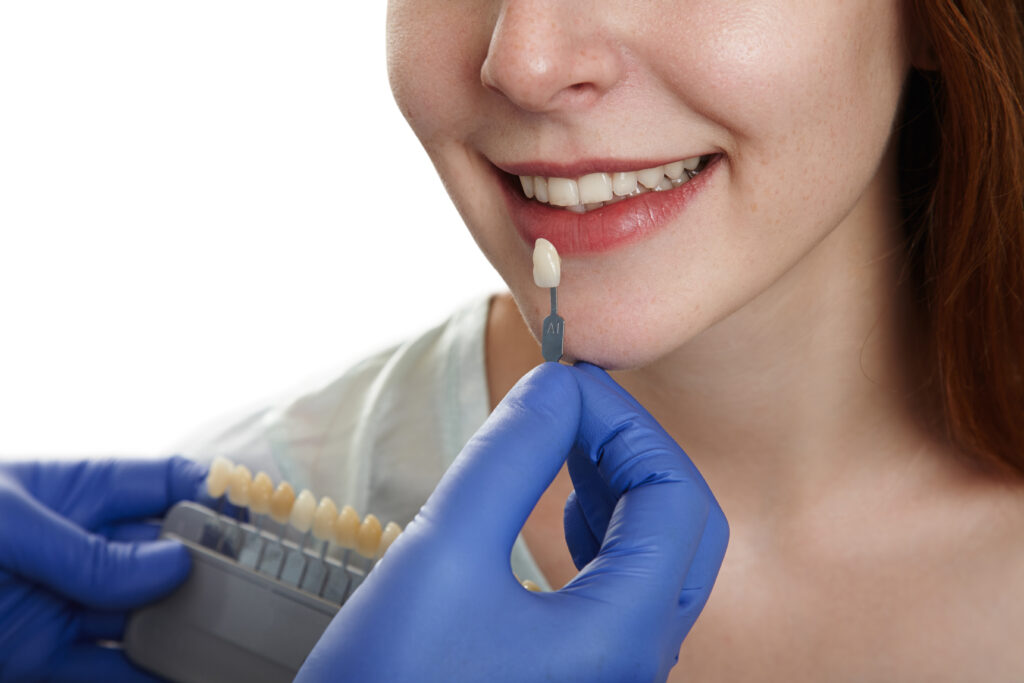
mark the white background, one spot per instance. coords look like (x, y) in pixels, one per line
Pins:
(202, 204)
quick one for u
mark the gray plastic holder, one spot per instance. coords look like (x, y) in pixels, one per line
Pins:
(233, 620)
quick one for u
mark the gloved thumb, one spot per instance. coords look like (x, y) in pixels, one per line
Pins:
(40, 545)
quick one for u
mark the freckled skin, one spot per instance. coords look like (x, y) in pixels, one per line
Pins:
(800, 95)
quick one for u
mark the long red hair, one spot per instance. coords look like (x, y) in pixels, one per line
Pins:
(962, 181)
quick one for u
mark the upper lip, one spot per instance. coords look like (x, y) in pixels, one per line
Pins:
(576, 169)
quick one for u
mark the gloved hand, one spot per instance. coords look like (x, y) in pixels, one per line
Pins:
(75, 555)
(443, 604)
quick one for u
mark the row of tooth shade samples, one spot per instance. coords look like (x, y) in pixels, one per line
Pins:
(323, 520)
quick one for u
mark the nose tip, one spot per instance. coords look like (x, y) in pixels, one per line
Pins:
(541, 60)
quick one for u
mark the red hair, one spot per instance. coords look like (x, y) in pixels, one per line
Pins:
(961, 139)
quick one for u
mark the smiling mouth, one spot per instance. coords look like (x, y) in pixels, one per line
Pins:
(597, 190)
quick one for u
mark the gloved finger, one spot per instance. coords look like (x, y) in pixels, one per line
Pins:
(663, 505)
(711, 550)
(96, 625)
(38, 544)
(89, 663)
(706, 562)
(96, 492)
(583, 543)
(495, 482)
(593, 497)
(127, 532)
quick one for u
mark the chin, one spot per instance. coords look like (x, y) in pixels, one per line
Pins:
(612, 334)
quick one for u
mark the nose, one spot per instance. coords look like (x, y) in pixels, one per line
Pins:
(546, 55)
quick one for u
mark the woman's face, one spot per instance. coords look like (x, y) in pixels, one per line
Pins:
(789, 102)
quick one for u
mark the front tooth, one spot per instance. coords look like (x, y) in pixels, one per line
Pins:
(665, 184)
(368, 538)
(624, 183)
(651, 177)
(323, 519)
(303, 511)
(238, 486)
(547, 265)
(540, 188)
(691, 164)
(595, 188)
(563, 192)
(527, 182)
(675, 170)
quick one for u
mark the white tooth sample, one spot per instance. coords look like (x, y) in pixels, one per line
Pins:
(388, 536)
(527, 183)
(259, 493)
(281, 501)
(650, 177)
(665, 184)
(323, 519)
(303, 510)
(368, 538)
(595, 188)
(675, 170)
(346, 527)
(238, 485)
(547, 264)
(563, 192)
(624, 183)
(540, 188)
(691, 164)
(220, 474)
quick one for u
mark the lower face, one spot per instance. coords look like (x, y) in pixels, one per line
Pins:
(787, 104)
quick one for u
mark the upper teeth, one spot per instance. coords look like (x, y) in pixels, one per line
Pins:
(594, 190)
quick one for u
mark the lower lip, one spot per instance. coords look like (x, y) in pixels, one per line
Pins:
(606, 228)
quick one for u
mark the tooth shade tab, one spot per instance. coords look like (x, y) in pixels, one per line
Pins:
(303, 511)
(346, 527)
(368, 538)
(323, 519)
(590, 192)
(238, 486)
(547, 265)
(259, 493)
(281, 502)
(388, 536)
(218, 477)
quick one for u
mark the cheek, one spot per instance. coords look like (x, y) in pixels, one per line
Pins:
(434, 52)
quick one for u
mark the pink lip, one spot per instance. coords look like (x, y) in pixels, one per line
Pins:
(606, 228)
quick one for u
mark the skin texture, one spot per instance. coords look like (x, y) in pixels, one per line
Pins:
(766, 327)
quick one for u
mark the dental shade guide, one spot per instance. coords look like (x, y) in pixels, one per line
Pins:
(547, 272)
(255, 602)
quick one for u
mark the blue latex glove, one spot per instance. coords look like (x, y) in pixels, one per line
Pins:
(443, 604)
(591, 504)
(75, 555)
